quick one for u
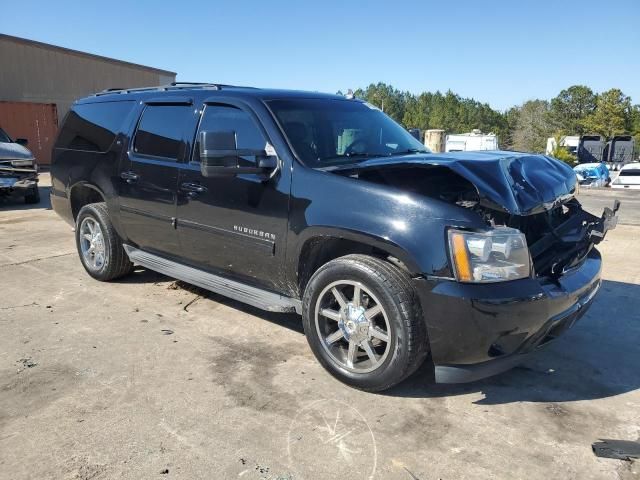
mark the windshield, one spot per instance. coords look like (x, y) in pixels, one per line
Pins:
(4, 138)
(630, 172)
(335, 132)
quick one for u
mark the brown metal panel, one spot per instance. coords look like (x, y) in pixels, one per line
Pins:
(37, 122)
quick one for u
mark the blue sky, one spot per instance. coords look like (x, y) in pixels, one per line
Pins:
(500, 52)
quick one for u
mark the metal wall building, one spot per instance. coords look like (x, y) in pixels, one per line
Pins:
(53, 77)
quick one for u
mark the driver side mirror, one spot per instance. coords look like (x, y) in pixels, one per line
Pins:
(219, 156)
(22, 141)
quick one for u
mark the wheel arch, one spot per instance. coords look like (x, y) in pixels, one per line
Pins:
(321, 245)
(84, 193)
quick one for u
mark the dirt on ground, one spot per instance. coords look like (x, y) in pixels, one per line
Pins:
(151, 378)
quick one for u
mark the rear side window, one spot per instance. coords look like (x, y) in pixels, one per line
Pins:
(161, 131)
(93, 126)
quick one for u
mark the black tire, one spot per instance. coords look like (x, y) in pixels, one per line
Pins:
(32, 196)
(393, 291)
(116, 262)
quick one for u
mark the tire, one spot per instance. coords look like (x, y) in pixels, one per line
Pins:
(33, 196)
(381, 284)
(115, 262)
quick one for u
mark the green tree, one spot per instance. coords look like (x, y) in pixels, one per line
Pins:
(562, 153)
(570, 108)
(385, 97)
(510, 118)
(532, 126)
(417, 110)
(635, 125)
(612, 116)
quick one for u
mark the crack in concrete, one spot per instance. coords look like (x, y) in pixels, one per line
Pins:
(32, 304)
(36, 259)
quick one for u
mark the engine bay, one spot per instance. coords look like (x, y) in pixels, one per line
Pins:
(559, 237)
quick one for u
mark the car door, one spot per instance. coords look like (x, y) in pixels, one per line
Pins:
(149, 175)
(235, 225)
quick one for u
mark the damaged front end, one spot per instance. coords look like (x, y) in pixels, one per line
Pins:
(522, 271)
(559, 239)
(18, 175)
(531, 193)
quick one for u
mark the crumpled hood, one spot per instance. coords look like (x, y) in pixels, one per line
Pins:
(518, 183)
(14, 151)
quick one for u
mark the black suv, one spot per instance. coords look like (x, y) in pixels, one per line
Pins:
(322, 205)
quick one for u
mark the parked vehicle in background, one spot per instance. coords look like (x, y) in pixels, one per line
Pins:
(18, 169)
(471, 142)
(629, 177)
(591, 149)
(619, 151)
(592, 174)
(434, 139)
(415, 133)
(323, 205)
(570, 143)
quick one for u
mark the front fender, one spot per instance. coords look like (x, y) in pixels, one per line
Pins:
(408, 226)
(365, 238)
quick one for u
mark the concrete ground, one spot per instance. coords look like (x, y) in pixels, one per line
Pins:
(144, 378)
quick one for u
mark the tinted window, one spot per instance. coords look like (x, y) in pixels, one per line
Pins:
(330, 132)
(161, 131)
(93, 126)
(4, 138)
(225, 118)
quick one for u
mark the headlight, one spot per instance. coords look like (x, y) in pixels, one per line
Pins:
(493, 256)
(22, 163)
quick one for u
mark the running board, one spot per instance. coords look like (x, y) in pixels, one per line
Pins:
(256, 297)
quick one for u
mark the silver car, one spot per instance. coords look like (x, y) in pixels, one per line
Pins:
(18, 169)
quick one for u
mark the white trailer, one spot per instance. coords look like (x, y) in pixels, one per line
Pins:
(472, 141)
(570, 142)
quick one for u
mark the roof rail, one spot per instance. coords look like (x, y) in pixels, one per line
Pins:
(171, 86)
(175, 84)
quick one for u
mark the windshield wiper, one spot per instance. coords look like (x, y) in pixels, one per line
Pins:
(350, 155)
(409, 150)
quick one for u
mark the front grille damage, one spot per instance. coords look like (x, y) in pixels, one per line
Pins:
(559, 238)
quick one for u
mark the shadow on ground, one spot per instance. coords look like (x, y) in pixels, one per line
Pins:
(288, 320)
(15, 201)
(597, 358)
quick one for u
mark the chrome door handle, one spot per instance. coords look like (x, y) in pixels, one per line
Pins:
(193, 189)
(129, 177)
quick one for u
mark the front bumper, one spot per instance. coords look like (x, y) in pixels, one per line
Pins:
(16, 182)
(479, 330)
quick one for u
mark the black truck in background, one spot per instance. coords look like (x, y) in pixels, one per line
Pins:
(615, 153)
(322, 205)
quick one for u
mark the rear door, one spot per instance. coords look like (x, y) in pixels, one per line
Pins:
(149, 175)
(235, 225)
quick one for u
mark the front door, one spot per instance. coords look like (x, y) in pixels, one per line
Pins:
(149, 177)
(234, 225)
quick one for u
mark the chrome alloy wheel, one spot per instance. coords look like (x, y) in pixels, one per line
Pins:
(92, 244)
(352, 326)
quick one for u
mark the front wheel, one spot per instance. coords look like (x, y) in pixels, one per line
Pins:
(364, 323)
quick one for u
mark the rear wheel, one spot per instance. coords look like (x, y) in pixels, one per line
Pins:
(99, 246)
(364, 323)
